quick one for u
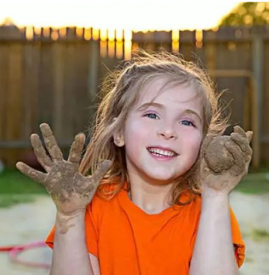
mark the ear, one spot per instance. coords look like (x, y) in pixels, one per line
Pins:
(118, 137)
(118, 140)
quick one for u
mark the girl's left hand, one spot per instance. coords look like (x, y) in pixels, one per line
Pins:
(225, 160)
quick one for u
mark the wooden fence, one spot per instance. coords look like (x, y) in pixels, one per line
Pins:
(53, 75)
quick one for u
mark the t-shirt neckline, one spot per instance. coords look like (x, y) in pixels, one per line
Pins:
(127, 204)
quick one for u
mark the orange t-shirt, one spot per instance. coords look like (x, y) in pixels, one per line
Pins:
(129, 241)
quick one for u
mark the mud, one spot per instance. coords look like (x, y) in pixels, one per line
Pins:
(217, 157)
(230, 154)
(70, 190)
(65, 224)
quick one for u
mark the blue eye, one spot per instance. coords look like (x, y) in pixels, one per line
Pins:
(152, 115)
(187, 123)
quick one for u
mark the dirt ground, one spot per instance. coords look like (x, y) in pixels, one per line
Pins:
(28, 223)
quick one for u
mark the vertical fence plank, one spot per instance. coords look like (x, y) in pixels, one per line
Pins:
(265, 103)
(14, 93)
(3, 89)
(45, 84)
(58, 90)
(257, 68)
(30, 88)
(83, 105)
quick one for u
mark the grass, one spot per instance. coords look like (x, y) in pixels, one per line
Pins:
(17, 188)
(254, 183)
(260, 234)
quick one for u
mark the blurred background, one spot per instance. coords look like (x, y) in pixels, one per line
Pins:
(53, 58)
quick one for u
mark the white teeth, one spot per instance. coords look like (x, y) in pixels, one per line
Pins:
(162, 152)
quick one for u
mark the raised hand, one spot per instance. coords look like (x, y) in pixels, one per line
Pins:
(70, 190)
(225, 160)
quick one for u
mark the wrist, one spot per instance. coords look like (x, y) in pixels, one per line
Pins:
(65, 222)
(213, 194)
(69, 215)
(215, 201)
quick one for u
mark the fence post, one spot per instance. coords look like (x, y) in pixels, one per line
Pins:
(93, 74)
(257, 69)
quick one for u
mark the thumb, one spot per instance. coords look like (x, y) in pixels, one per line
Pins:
(249, 135)
(100, 172)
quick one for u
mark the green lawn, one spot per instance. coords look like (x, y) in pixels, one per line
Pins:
(254, 183)
(17, 188)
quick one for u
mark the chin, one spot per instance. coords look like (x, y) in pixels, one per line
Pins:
(161, 179)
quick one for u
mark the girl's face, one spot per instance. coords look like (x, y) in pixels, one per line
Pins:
(163, 133)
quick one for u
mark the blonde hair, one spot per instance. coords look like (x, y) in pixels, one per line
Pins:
(121, 91)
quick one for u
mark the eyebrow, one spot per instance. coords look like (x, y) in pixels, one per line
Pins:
(161, 106)
(148, 104)
(189, 111)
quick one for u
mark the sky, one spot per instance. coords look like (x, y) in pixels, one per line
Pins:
(138, 15)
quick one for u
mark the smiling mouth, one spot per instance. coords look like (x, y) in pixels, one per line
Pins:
(161, 152)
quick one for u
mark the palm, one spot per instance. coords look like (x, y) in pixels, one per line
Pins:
(70, 190)
(219, 182)
(225, 160)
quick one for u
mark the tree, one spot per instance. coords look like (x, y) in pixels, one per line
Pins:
(248, 14)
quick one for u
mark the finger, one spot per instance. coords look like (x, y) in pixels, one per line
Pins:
(242, 142)
(76, 149)
(51, 143)
(65, 194)
(100, 172)
(40, 152)
(206, 142)
(240, 131)
(239, 162)
(31, 173)
(249, 135)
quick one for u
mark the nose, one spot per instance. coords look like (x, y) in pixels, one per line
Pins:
(167, 133)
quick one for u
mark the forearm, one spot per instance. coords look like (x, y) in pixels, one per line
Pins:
(214, 252)
(70, 255)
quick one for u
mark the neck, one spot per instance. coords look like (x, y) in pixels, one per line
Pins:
(151, 197)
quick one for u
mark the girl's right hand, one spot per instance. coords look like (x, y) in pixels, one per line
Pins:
(70, 190)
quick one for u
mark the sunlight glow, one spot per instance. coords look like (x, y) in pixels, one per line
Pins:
(111, 34)
(95, 34)
(199, 38)
(46, 32)
(175, 41)
(62, 32)
(79, 32)
(111, 48)
(114, 21)
(119, 34)
(87, 34)
(103, 34)
(37, 31)
(29, 33)
(119, 49)
(103, 48)
(54, 35)
(139, 15)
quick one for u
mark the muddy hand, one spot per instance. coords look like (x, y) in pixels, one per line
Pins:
(225, 160)
(70, 190)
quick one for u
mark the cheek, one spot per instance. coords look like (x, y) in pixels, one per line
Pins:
(136, 130)
(194, 144)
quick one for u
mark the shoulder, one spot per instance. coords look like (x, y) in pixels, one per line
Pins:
(193, 209)
(190, 202)
(98, 205)
(102, 201)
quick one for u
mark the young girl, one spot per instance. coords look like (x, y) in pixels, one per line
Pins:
(161, 206)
